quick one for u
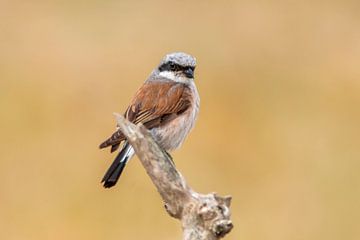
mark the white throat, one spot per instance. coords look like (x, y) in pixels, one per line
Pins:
(172, 76)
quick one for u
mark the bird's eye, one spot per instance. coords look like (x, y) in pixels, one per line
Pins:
(172, 66)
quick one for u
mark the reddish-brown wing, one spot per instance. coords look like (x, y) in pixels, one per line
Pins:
(154, 104)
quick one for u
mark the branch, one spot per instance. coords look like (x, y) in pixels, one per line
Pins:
(203, 216)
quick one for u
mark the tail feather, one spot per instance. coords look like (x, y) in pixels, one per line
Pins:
(114, 147)
(115, 139)
(113, 173)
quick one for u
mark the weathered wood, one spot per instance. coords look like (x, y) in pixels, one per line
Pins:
(203, 216)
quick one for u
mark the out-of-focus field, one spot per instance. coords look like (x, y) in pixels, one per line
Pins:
(278, 127)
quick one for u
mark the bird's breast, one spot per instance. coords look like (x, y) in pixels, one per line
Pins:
(171, 135)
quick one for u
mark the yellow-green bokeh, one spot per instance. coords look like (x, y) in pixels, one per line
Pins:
(278, 127)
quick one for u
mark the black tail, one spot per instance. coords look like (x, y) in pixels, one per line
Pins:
(113, 173)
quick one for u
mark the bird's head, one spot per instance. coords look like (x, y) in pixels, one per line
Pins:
(178, 67)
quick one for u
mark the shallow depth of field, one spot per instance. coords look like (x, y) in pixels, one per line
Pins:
(279, 125)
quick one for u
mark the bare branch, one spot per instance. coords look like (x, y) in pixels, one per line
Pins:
(203, 217)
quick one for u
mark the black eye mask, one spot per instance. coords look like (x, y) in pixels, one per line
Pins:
(174, 67)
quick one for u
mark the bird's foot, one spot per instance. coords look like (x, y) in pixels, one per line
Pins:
(170, 157)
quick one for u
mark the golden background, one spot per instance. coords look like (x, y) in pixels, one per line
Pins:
(278, 126)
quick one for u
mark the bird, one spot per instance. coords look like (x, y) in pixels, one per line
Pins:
(167, 104)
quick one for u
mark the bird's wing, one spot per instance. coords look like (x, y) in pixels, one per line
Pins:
(156, 100)
(154, 104)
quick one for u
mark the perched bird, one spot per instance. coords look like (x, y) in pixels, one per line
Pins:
(167, 104)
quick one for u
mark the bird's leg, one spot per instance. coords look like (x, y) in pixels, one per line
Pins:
(170, 157)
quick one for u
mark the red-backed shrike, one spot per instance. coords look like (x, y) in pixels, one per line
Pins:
(167, 104)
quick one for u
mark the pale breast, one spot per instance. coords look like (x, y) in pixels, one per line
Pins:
(172, 135)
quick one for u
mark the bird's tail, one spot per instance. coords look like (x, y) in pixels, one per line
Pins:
(113, 173)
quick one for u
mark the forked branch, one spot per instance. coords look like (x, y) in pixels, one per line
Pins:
(203, 216)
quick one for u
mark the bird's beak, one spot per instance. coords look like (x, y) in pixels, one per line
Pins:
(189, 73)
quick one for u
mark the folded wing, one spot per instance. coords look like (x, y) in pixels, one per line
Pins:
(154, 104)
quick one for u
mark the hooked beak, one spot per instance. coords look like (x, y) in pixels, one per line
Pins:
(189, 73)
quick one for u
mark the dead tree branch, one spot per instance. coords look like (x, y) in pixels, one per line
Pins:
(203, 216)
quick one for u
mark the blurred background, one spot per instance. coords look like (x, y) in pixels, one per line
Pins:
(278, 127)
